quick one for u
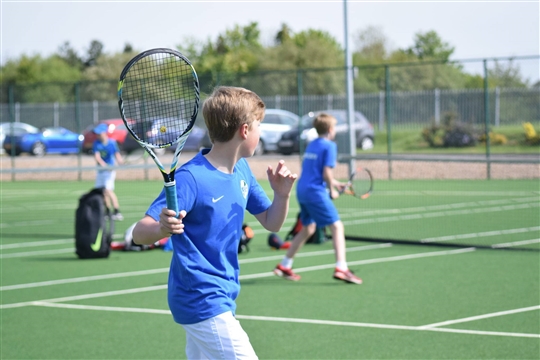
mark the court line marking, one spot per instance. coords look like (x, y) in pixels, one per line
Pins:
(516, 243)
(346, 214)
(480, 317)
(38, 252)
(162, 270)
(481, 234)
(242, 277)
(299, 320)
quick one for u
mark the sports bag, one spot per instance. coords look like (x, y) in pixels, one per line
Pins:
(93, 230)
(247, 235)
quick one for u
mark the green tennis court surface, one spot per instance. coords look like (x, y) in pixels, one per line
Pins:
(417, 302)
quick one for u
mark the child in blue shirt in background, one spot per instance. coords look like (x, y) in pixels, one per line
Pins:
(214, 190)
(107, 154)
(315, 190)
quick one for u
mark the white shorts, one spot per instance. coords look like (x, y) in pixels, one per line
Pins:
(105, 179)
(220, 337)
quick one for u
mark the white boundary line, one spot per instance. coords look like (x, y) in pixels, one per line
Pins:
(164, 270)
(243, 277)
(316, 321)
(480, 317)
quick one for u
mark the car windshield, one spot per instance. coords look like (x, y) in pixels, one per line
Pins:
(307, 120)
(19, 128)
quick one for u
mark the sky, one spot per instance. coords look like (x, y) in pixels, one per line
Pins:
(476, 29)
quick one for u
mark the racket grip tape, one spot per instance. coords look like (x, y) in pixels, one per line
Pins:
(170, 196)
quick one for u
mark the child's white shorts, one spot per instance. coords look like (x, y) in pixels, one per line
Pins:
(105, 179)
(220, 337)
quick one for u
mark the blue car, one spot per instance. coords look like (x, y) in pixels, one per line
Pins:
(52, 140)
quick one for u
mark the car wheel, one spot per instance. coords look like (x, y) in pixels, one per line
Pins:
(366, 143)
(38, 149)
(259, 150)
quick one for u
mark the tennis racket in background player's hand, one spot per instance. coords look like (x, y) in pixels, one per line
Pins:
(158, 97)
(360, 184)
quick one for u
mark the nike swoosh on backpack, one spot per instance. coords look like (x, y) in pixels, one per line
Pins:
(97, 244)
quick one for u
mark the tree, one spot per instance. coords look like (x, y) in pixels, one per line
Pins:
(70, 56)
(429, 45)
(283, 35)
(310, 49)
(371, 45)
(508, 75)
(41, 80)
(94, 52)
(101, 79)
(235, 51)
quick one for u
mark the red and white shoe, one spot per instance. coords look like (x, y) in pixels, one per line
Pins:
(286, 273)
(347, 276)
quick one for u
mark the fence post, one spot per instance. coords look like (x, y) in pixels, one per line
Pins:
(388, 120)
(12, 120)
(486, 120)
(95, 111)
(56, 114)
(17, 112)
(300, 90)
(78, 121)
(381, 110)
(437, 106)
(497, 106)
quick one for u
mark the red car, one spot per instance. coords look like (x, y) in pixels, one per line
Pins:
(117, 131)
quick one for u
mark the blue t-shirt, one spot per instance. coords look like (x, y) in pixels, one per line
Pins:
(319, 153)
(203, 277)
(107, 151)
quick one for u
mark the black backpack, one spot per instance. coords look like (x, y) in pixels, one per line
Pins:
(93, 229)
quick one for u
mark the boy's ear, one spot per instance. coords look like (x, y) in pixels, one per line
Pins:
(243, 131)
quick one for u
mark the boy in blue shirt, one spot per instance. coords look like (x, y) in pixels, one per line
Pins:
(315, 190)
(214, 190)
(107, 154)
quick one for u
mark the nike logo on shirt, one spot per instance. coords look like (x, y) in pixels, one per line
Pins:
(216, 200)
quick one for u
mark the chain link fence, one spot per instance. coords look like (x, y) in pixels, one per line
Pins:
(403, 102)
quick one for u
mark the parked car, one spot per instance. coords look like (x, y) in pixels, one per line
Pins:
(51, 140)
(193, 142)
(8, 128)
(276, 122)
(116, 130)
(365, 135)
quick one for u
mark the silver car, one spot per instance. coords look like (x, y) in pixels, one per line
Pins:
(276, 122)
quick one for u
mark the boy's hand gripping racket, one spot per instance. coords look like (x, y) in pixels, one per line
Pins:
(360, 184)
(158, 97)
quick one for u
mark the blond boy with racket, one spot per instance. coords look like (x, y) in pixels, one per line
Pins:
(214, 189)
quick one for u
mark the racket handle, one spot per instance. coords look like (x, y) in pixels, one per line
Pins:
(170, 196)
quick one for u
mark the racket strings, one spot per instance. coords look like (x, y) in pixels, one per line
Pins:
(361, 183)
(160, 97)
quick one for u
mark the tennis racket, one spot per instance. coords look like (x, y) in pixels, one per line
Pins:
(360, 184)
(158, 97)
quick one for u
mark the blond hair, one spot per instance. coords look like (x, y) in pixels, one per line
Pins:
(323, 123)
(228, 108)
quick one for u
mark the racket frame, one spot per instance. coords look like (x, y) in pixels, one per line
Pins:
(168, 177)
(349, 188)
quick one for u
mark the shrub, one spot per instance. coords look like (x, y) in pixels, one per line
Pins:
(531, 136)
(494, 139)
(452, 133)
